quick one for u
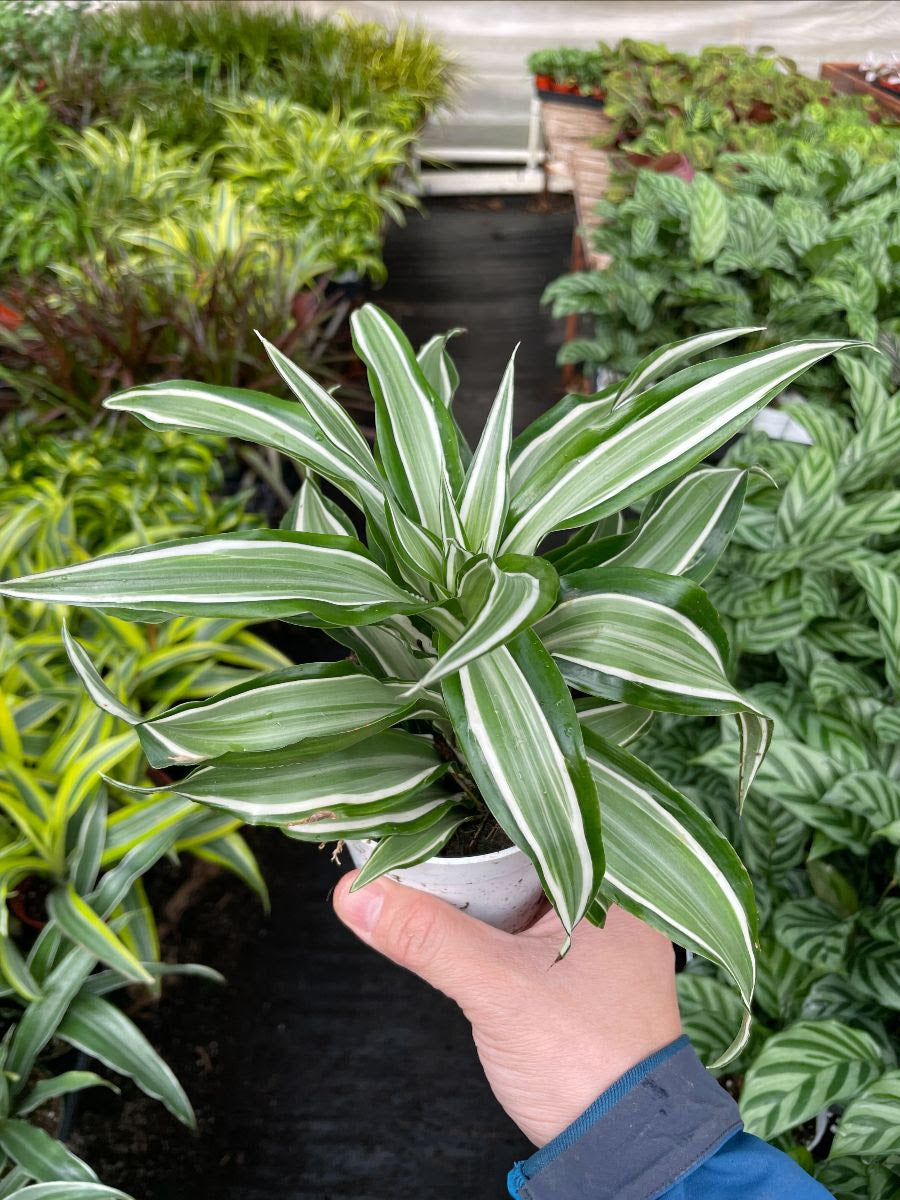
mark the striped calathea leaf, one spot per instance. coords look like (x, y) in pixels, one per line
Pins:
(467, 641)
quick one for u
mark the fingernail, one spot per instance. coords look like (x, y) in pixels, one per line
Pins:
(361, 909)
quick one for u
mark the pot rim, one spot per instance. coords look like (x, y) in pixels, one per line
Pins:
(465, 860)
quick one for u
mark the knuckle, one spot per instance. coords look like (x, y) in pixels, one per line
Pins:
(414, 937)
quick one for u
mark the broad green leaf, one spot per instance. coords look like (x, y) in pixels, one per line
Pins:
(499, 599)
(874, 971)
(266, 573)
(669, 865)
(410, 436)
(869, 1125)
(408, 849)
(282, 787)
(621, 724)
(517, 726)
(883, 592)
(315, 706)
(64, 1084)
(83, 926)
(484, 499)
(42, 1156)
(813, 933)
(687, 531)
(802, 1070)
(96, 1027)
(661, 361)
(657, 440)
(708, 228)
(810, 493)
(249, 416)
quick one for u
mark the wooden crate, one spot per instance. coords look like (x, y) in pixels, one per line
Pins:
(844, 77)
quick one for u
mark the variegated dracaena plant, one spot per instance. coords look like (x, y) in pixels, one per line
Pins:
(467, 644)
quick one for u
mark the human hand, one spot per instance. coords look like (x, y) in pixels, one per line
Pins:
(551, 1035)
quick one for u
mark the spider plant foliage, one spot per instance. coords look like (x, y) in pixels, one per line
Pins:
(483, 672)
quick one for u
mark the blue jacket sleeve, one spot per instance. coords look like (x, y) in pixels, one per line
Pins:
(665, 1131)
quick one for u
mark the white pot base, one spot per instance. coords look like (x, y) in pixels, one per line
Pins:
(502, 889)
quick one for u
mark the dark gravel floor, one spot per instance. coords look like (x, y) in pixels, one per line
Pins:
(321, 1071)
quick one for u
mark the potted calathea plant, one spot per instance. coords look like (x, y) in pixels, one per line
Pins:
(490, 684)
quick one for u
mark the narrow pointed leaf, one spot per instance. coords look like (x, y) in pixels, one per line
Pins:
(658, 439)
(485, 495)
(410, 434)
(249, 416)
(438, 367)
(408, 849)
(662, 361)
(555, 431)
(328, 414)
(260, 574)
(667, 863)
(312, 513)
(281, 787)
(621, 724)
(316, 705)
(517, 726)
(61, 1085)
(96, 1027)
(414, 814)
(687, 531)
(101, 695)
(80, 924)
(233, 853)
(500, 599)
(42, 1156)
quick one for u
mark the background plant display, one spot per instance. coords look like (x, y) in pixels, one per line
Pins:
(225, 165)
(804, 240)
(809, 592)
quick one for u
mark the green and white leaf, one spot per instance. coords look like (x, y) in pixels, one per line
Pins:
(408, 849)
(869, 1125)
(484, 499)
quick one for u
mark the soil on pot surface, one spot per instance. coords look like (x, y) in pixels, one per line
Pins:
(478, 836)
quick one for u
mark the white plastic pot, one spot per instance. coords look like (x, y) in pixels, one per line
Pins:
(502, 889)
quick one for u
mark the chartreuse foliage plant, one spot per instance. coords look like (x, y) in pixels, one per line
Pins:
(468, 642)
(809, 589)
(804, 240)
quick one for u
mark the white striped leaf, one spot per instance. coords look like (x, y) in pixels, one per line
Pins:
(870, 1124)
(499, 599)
(668, 864)
(83, 926)
(618, 723)
(413, 815)
(394, 649)
(72, 1190)
(266, 573)
(674, 354)
(42, 1156)
(281, 787)
(802, 1070)
(416, 436)
(556, 431)
(313, 707)
(660, 437)
(311, 512)
(516, 724)
(438, 367)
(250, 416)
(687, 531)
(96, 1027)
(485, 493)
(418, 552)
(408, 849)
(325, 412)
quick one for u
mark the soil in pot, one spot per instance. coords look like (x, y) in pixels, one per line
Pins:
(479, 836)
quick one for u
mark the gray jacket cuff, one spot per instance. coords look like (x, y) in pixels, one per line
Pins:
(652, 1127)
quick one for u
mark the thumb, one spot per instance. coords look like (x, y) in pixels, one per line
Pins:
(458, 954)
